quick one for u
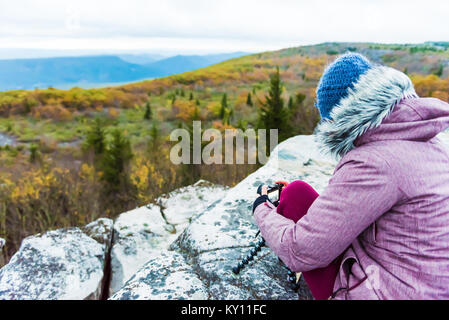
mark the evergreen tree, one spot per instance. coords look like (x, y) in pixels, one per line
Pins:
(242, 124)
(226, 116)
(191, 96)
(249, 100)
(34, 153)
(231, 114)
(154, 132)
(154, 140)
(290, 104)
(300, 97)
(439, 71)
(148, 112)
(273, 114)
(196, 115)
(224, 105)
(115, 161)
(95, 139)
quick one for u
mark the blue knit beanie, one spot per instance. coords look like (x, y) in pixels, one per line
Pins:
(338, 77)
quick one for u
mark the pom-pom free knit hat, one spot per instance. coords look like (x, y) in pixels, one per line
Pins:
(336, 80)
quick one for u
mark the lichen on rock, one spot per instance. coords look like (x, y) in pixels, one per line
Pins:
(60, 264)
(142, 233)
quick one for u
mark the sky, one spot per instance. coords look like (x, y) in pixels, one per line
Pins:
(52, 27)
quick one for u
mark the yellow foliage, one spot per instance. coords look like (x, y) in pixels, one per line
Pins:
(425, 86)
(184, 109)
(213, 108)
(87, 172)
(31, 184)
(113, 113)
(144, 176)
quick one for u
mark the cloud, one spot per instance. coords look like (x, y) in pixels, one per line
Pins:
(220, 24)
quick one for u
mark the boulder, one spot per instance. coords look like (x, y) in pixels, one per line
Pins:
(141, 234)
(60, 264)
(221, 234)
(166, 277)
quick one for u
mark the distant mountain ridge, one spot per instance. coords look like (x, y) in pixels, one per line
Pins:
(97, 71)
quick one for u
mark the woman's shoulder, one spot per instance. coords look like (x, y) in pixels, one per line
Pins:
(374, 154)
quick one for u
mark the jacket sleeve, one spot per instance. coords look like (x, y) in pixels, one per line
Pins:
(359, 192)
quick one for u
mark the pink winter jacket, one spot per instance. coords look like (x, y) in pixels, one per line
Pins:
(386, 207)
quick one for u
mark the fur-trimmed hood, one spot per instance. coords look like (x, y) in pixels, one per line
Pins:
(366, 105)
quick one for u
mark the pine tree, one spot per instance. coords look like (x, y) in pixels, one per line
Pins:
(249, 100)
(226, 116)
(439, 71)
(300, 97)
(34, 153)
(290, 104)
(96, 137)
(196, 115)
(154, 132)
(242, 124)
(148, 112)
(191, 96)
(224, 105)
(154, 139)
(231, 114)
(273, 114)
(115, 161)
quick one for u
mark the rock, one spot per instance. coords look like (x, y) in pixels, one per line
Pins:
(166, 277)
(141, 234)
(60, 264)
(224, 232)
(2, 258)
(138, 235)
(100, 230)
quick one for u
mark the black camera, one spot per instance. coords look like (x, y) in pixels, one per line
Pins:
(274, 192)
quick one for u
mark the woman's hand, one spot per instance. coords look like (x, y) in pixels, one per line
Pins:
(263, 196)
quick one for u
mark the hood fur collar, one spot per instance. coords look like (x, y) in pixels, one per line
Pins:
(372, 99)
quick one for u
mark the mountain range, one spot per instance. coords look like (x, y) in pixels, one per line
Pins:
(98, 71)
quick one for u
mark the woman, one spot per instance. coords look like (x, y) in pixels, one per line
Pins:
(380, 230)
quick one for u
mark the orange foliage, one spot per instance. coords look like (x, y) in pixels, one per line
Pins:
(54, 112)
(427, 86)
